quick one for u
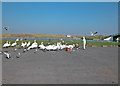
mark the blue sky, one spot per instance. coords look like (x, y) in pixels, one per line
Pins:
(75, 18)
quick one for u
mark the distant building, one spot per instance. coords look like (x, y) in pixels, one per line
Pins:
(68, 36)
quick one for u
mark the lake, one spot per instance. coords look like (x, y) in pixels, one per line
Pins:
(63, 40)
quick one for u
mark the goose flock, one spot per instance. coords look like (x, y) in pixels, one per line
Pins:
(28, 45)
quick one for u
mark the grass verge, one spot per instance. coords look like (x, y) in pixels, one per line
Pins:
(89, 43)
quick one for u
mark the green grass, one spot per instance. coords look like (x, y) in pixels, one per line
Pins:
(99, 44)
(32, 36)
(89, 43)
(97, 37)
(9, 35)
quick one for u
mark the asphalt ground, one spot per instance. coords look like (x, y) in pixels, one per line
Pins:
(95, 65)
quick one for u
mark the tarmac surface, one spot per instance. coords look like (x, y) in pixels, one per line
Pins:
(95, 65)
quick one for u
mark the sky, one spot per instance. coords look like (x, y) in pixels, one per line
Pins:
(62, 18)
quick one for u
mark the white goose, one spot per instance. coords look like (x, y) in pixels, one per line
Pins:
(70, 46)
(51, 47)
(28, 44)
(7, 55)
(23, 44)
(34, 45)
(60, 46)
(55, 47)
(14, 44)
(63, 46)
(41, 46)
(9, 44)
(5, 45)
(17, 39)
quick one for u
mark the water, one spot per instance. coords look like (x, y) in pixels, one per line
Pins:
(63, 40)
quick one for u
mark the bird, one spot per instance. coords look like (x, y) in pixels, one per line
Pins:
(35, 50)
(5, 45)
(24, 50)
(24, 44)
(7, 55)
(6, 28)
(51, 47)
(92, 34)
(48, 43)
(28, 44)
(15, 49)
(60, 46)
(9, 44)
(18, 55)
(34, 45)
(70, 46)
(17, 39)
(41, 46)
(14, 44)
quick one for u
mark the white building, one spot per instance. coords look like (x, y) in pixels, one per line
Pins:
(68, 36)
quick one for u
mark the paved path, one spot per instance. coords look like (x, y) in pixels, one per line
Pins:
(91, 66)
